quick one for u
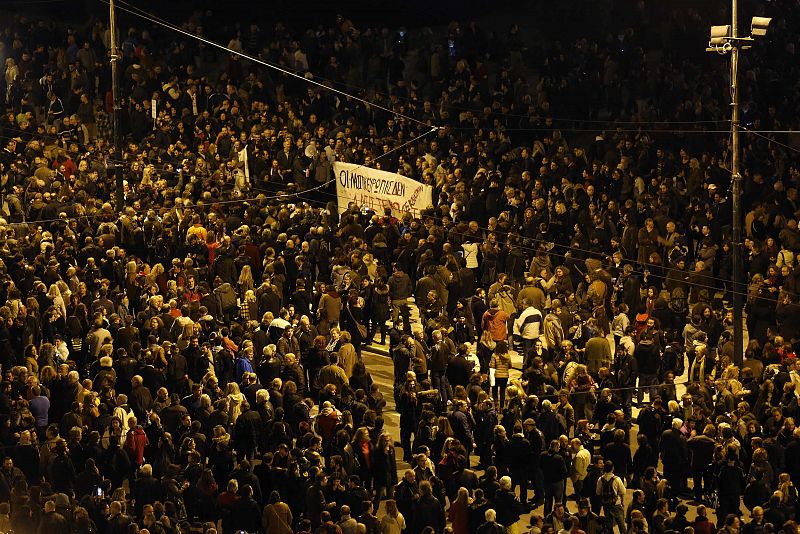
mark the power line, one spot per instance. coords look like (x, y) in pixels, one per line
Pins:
(592, 130)
(591, 254)
(453, 106)
(585, 251)
(267, 64)
(232, 201)
(162, 170)
(769, 139)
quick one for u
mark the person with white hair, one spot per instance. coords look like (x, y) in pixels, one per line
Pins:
(507, 505)
(491, 526)
(675, 455)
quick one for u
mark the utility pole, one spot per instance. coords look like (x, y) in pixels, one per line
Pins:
(726, 39)
(119, 195)
(736, 192)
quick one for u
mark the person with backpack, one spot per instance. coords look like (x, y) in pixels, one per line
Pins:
(611, 490)
(678, 305)
(227, 301)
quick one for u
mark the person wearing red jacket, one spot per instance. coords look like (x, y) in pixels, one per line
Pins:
(135, 442)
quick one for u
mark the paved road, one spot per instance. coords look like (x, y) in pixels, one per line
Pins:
(380, 366)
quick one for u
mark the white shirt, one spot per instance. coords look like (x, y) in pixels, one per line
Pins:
(471, 255)
(580, 463)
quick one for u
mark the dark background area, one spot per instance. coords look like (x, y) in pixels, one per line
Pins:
(406, 12)
(543, 22)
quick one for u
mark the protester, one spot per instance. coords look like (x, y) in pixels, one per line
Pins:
(206, 345)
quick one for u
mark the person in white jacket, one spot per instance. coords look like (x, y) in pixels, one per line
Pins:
(528, 326)
(580, 464)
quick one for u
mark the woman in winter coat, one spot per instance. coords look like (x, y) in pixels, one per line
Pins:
(220, 455)
(384, 469)
(458, 514)
(353, 321)
(380, 309)
(277, 516)
(560, 284)
(425, 434)
(501, 363)
(761, 470)
(330, 304)
(235, 400)
(360, 379)
(362, 446)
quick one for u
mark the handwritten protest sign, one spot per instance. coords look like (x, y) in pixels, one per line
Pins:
(379, 189)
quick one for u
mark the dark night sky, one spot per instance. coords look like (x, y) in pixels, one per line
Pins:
(395, 12)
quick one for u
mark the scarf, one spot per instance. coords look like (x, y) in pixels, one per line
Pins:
(701, 377)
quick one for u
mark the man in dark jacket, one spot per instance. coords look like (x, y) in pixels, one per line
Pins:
(141, 400)
(702, 448)
(506, 502)
(550, 423)
(401, 355)
(427, 511)
(245, 477)
(400, 289)
(731, 484)
(460, 368)
(536, 440)
(619, 453)
(588, 521)
(651, 422)
(442, 351)
(518, 458)
(405, 494)
(675, 456)
(177, 371)
(792, 455)
(462, 477)
(52, 522)
(245, 512)
(462, 424)
(369, 519)
(625, 372)
(247, 434)
(146, 490)
(315, 500)
(554, 473)
(491, 526)
(648, 361)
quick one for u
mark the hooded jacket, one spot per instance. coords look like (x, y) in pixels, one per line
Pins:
(400, 286)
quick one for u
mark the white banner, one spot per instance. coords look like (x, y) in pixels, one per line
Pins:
(378, 189)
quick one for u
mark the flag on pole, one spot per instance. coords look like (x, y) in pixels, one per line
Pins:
(243, 160)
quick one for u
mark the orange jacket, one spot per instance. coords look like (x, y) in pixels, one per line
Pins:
(495, 322)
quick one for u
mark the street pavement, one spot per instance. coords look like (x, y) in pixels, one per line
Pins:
(378, 363)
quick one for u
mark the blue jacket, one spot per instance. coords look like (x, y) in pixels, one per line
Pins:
(243, 365)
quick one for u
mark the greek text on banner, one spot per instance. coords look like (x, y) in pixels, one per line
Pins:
(379, 189)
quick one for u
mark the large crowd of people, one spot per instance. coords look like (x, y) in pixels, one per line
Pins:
(194, 362)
